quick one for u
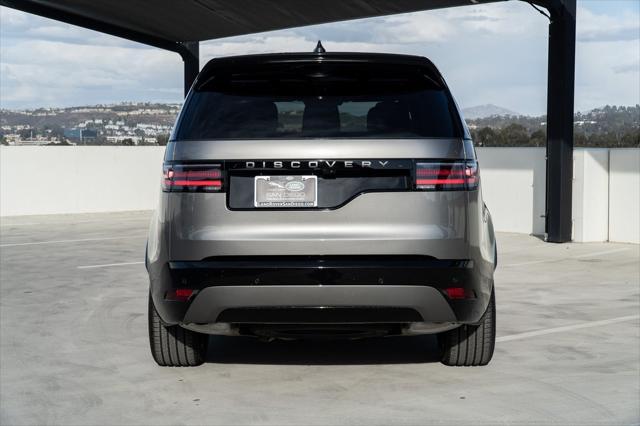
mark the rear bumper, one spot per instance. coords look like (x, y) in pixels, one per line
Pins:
(321, 270)
(333, 304)
(321, 289)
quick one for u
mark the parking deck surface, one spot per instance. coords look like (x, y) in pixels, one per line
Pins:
(74, 348)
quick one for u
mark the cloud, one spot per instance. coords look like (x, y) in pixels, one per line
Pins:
(617, 34)
(631, 67)
(607, 70)
(16, 25)
(593, 27)
(413, 28)
(49, 73)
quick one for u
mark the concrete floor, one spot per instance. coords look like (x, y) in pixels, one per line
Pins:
(74, 348)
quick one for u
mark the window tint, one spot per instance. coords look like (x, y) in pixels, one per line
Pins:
(318, 101)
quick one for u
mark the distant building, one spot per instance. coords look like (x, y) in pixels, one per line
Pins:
(125, 139)
(81, 135)
(12, 138)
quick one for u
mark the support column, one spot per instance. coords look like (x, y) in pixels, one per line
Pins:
(191, 57)
(560, 95)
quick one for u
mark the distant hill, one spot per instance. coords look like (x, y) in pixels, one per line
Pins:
(609, 126)
(129, 112)
(484, 111)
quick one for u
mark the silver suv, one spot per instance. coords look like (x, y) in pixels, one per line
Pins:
(321, 194)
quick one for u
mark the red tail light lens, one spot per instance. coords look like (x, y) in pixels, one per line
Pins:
(179, 294)
(192, 178)
(441, 176)
(459, 293)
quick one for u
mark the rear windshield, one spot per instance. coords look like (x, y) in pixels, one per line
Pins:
(318, 101)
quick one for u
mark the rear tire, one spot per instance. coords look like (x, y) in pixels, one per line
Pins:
(174, 346)
(470, 345)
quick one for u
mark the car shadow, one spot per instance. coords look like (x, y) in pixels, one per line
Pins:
(375, 350)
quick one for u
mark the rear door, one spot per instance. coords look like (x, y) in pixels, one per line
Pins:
(267, 129)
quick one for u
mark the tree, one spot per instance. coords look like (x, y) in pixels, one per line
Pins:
(580, 139)
(162, 139)
(63, 143)
(538, 138)
(515, 135)
(486, 137)
(631, 139)
(55, 131)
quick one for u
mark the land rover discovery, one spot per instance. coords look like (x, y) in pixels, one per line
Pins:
(321, 194)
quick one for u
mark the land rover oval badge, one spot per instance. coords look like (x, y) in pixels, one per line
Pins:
(295, 186)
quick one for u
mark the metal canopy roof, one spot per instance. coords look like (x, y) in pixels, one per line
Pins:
(198, 20)
(179, 25)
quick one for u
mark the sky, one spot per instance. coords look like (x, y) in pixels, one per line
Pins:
(489, 54)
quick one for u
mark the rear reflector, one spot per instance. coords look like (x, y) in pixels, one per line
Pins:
(459, 293)
(192, 178)
(441, 176)
(179, 294)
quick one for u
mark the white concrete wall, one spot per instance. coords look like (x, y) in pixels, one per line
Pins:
(590, 204)
(606, 191)
(513, 187)
(624, 195)
(78, 179)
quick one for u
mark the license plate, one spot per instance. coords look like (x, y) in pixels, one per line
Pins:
(286, 191)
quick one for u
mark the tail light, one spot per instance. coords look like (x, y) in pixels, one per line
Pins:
(192, 178)
(441, 176)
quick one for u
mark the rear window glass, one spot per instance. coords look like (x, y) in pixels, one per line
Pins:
(318, 101)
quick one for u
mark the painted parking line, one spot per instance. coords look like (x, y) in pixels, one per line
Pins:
(532, 262)
(35, 243)
(108, 265)
(9, 224)
(546, 331)
(602, 253)
(581, 256)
